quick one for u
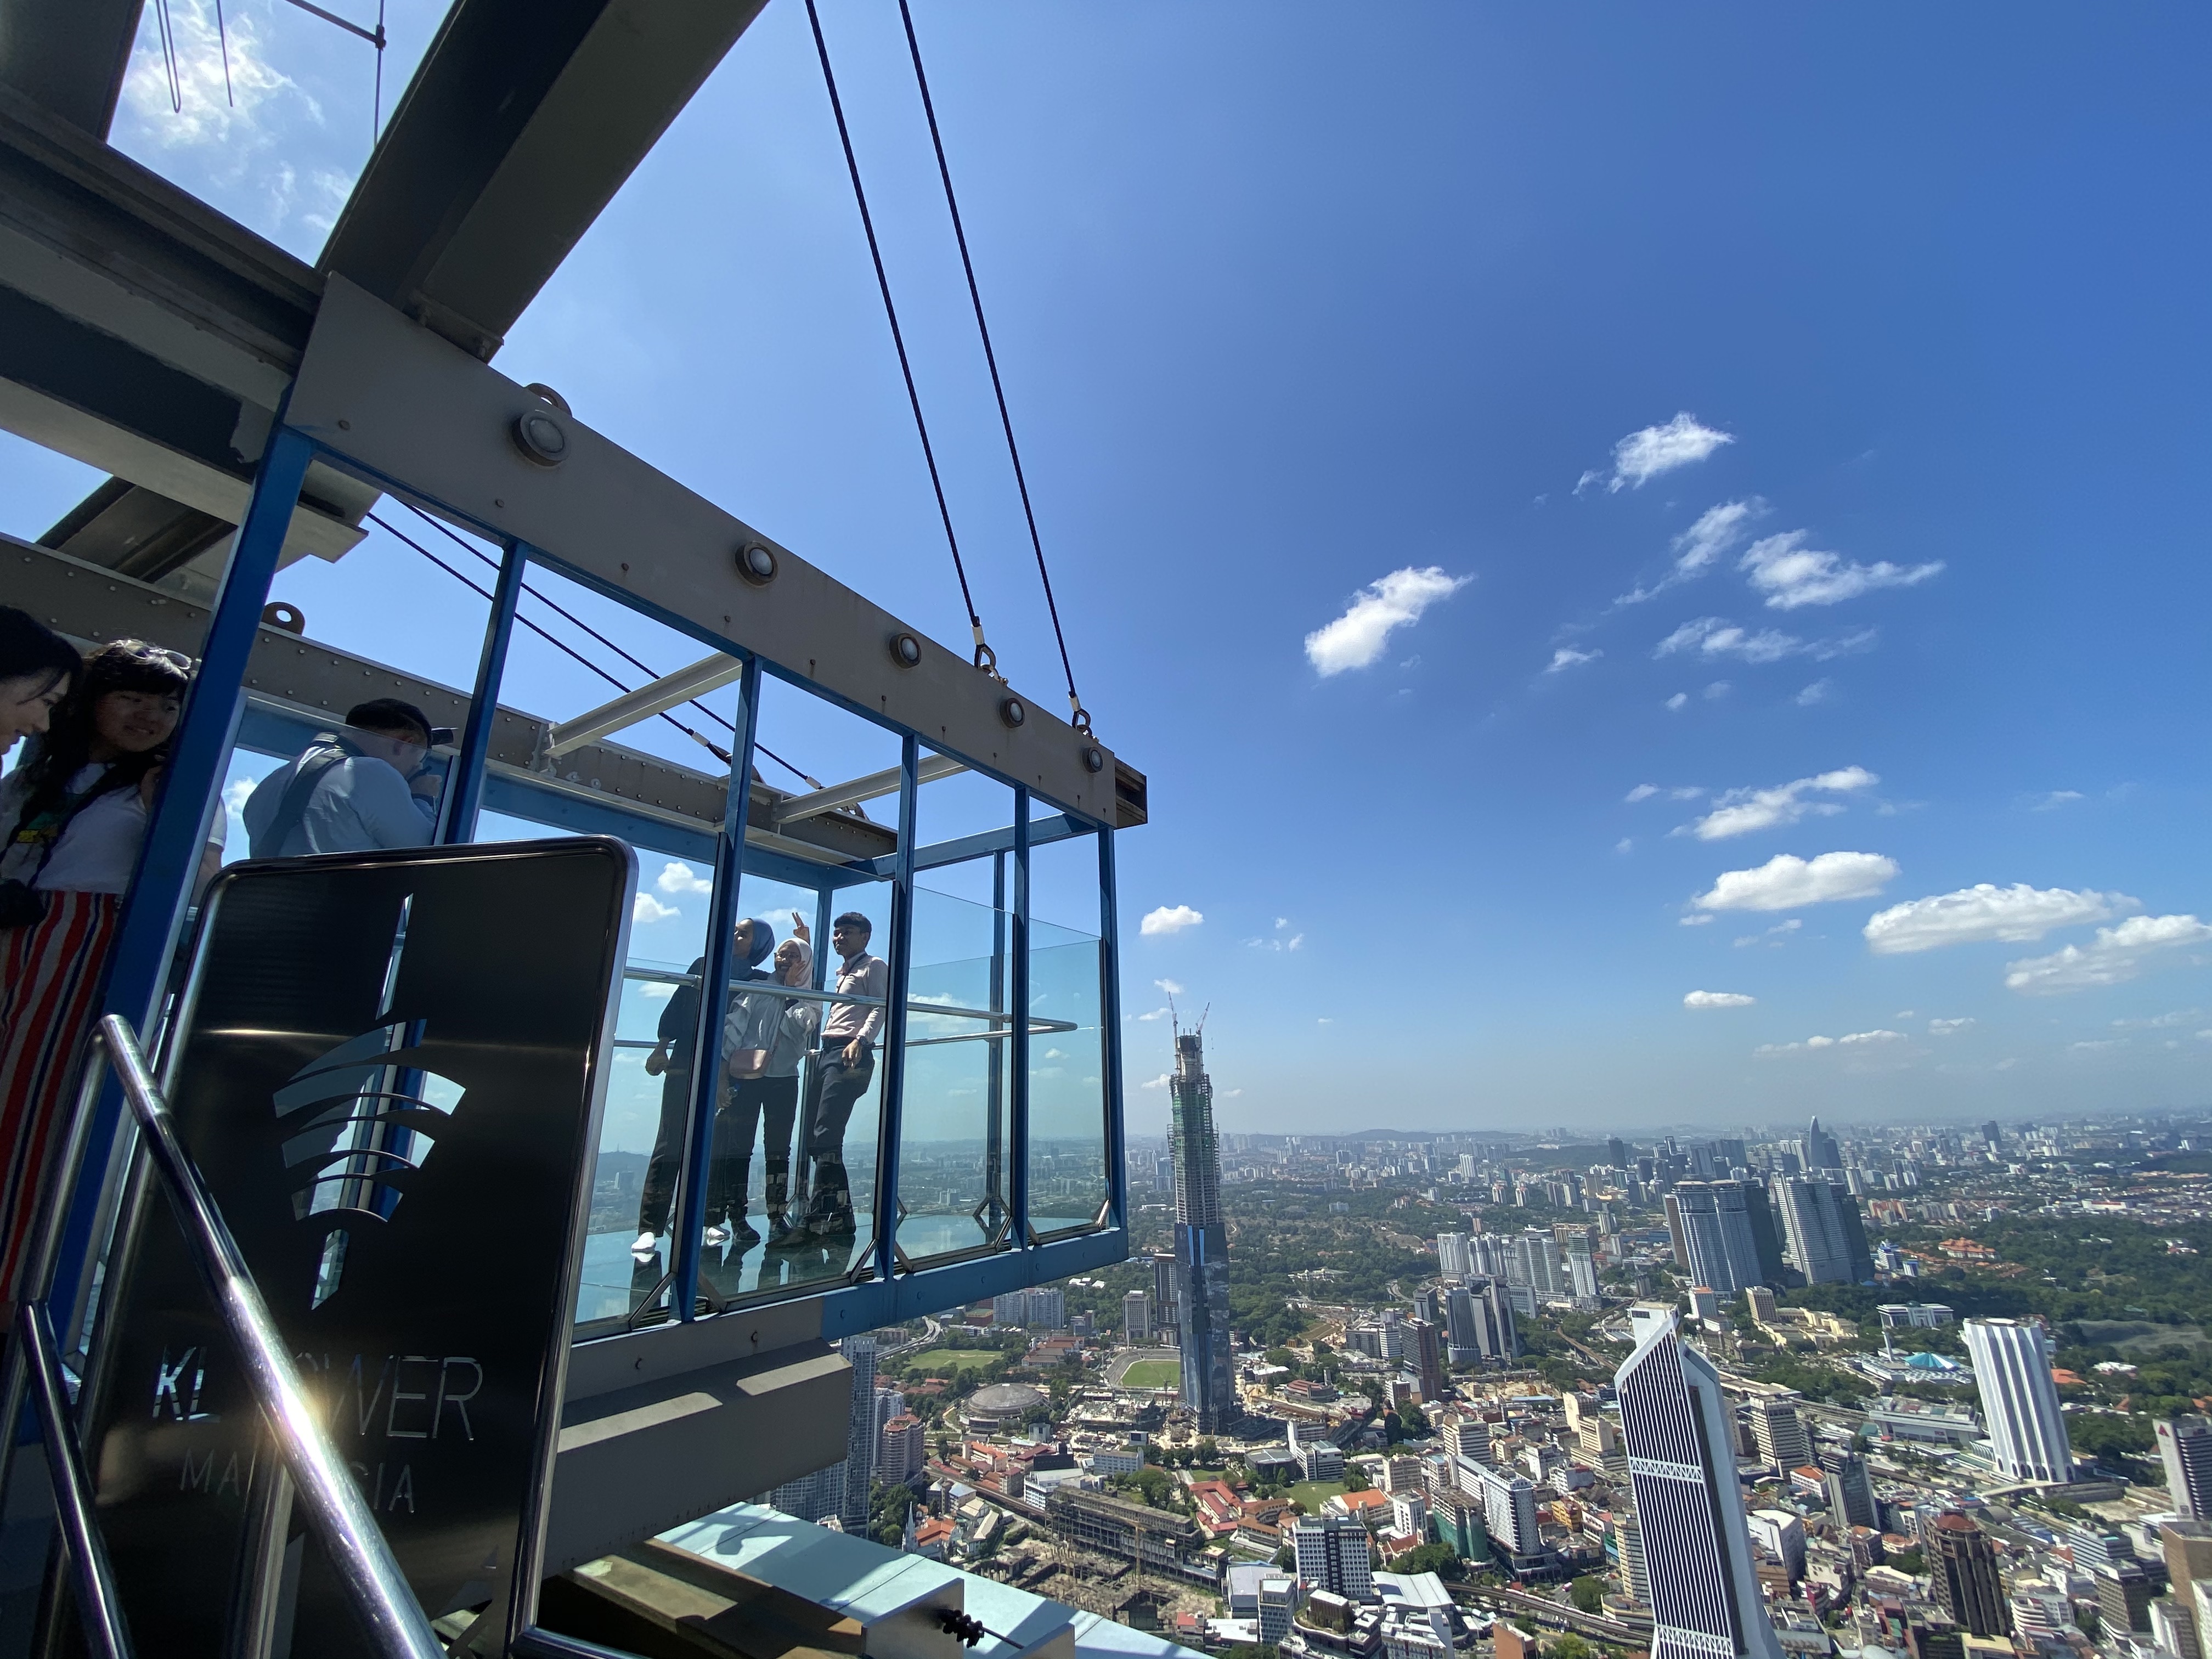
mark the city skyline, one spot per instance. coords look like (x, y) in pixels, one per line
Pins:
(1781, 597)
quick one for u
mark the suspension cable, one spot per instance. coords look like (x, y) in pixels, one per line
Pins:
(1080, 715)
(720, 753)
(986, 658)
(570, 616)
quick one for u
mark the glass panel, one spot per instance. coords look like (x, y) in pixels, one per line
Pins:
(1068, 1185)
(791, 1183)
(955, 1127)
(771, 1029)
(572, 652)
(957, 1120)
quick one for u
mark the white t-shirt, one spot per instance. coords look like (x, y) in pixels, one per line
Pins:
(97, 851)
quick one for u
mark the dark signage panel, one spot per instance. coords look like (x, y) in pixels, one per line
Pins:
(389, 1070)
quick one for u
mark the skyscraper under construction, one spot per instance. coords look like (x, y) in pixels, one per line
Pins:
(1201, 1242)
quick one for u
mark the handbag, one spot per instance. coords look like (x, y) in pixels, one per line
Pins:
(29, 846)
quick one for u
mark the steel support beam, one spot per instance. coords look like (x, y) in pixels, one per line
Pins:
(399, 403)
(70, 55)
(524, 119)
(709, 674)
(874, 786)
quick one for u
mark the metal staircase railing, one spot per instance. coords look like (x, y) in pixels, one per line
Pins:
(335, 1508)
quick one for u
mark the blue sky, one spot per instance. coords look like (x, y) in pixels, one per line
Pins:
(1469, 318)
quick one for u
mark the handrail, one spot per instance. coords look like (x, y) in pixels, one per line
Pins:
(372, 1582)
(99, 1609)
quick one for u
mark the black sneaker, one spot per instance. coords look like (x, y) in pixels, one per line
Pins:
(745, 1238)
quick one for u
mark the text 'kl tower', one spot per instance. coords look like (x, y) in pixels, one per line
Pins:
(1201, 1242)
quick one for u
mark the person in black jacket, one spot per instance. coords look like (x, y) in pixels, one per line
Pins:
(750, 943)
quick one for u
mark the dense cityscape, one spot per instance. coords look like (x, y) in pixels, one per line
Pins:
(1914, 1389)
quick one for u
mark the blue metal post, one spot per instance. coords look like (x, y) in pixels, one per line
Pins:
(464, 788)
(715, 1002)
(169, 859)
(1110, 1015)
(900, 957)
(1017, 1044)
(994, 1091)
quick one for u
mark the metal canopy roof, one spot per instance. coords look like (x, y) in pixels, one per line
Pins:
(146, 334)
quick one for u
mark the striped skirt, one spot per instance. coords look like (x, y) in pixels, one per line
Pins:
(50, 974)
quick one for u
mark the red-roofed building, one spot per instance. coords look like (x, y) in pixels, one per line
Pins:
(1220, 1511)
(1365, 1506)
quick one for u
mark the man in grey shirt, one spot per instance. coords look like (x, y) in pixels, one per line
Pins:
(350, 792)
(765, 1040)
(843, 1073)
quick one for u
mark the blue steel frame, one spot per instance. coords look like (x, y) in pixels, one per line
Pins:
(154, 917)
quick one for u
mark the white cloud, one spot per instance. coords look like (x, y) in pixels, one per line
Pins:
(2116, 955)
(1358, 637)
(1643, 455)
(1230, 1094)
(1281, 923)
(1169, 919)
(1296, 941)
(1325, 1020)
(214, 112)
(1156, 1013)
(1675, 702)
(2051, 801)
(1641, 792)
(1946, 1027)
(1792, 575)
(1742, 811)
(2159, 1022)
(1717, 529)
(1713, 637)
(1567, 657)
(1717, 1000)
(656, 991)
(1814, 1044)
(1784, 881)
(1717, 690)
(678, 877)
(1776, 935)
(1973, 915)
(1054, 1054)
(1624, 845)
(1694, 921)
(236, 793)
(1170, 987)
(1159, 1082)
(646, 909)
(2101, 1042)
(1815, 694)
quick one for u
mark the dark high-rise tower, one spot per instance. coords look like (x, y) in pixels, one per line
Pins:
(1965, 1569)
(1201, 1242)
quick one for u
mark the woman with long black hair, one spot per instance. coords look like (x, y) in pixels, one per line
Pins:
(74, 816)
(38, 667)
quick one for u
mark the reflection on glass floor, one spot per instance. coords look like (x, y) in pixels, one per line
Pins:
(614, 1281)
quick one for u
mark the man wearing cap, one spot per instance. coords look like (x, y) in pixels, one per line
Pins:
(351, 790)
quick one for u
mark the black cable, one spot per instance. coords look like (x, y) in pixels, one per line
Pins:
(222, 35)
(1082, 718)
(558, 609)
(984, 657)
(166, 29)
(720, 754)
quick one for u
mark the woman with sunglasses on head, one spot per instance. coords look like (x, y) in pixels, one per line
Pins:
(38, 667)
(74, 817)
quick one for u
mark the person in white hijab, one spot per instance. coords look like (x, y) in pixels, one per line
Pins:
(765, 1040)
